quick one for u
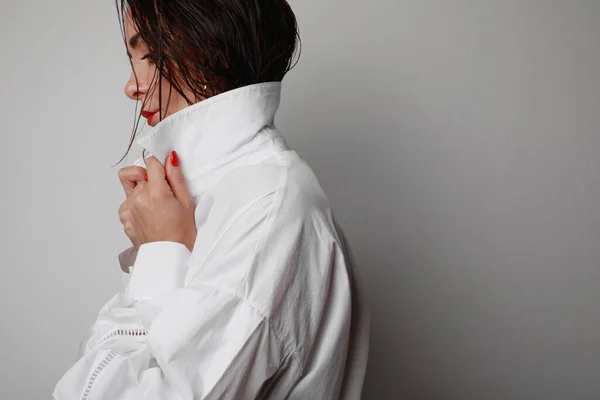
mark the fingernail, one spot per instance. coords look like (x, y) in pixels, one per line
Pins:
(174, 159)
(146, 177)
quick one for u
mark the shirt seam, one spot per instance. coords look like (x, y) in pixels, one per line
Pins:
(224, 233)
(288, 349)
(267, 228)
(277, 202)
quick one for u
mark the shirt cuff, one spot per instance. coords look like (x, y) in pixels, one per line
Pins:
(159, 268)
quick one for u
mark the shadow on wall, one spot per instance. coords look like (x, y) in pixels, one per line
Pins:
(365, 144)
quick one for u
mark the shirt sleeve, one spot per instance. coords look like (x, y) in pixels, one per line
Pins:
(161, 340)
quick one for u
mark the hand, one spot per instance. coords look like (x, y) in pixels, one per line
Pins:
(162, 209)
(130, 177)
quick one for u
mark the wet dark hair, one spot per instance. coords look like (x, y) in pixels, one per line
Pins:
(208, 47)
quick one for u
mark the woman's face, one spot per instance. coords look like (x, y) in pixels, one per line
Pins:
(145, 69)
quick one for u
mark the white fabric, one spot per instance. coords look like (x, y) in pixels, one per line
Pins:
(267, 305)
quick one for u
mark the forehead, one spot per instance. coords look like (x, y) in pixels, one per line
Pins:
(133, 40)
(130, 29)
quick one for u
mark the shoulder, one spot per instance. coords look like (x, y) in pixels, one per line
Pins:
(261, 215)
(300, 196)
(283, 186)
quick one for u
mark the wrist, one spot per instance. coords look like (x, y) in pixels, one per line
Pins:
(184, 237)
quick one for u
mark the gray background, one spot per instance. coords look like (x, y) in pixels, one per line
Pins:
(457, 140)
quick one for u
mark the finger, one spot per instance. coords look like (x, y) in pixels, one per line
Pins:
(128, 229)
(130, 176)
(176, 180)
(126, 218)
(156, 172)
(138, 188)
(123, 211)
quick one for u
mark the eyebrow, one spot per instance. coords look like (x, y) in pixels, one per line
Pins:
(134, 41)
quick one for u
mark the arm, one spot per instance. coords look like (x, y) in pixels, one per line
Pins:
(163, 341)
(169, 338)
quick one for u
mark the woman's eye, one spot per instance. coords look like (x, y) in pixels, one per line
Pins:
(148, 57)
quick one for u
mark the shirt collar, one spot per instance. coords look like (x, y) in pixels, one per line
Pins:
(216, 129)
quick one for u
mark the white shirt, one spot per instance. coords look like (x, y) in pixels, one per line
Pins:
(267, 305)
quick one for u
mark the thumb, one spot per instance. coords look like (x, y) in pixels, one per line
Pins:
(176, 180)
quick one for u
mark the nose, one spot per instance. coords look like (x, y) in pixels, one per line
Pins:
(135, 89)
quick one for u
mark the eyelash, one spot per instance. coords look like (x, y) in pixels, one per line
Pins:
(149, 57)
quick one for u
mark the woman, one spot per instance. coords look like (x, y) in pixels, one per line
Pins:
(241, 285)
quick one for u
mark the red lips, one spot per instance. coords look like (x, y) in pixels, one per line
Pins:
(148, 115)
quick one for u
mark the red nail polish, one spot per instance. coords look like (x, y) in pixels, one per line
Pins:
(174, 159)
(146, 177)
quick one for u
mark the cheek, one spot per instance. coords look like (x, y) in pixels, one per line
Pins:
(175, 103)
(143, 71)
